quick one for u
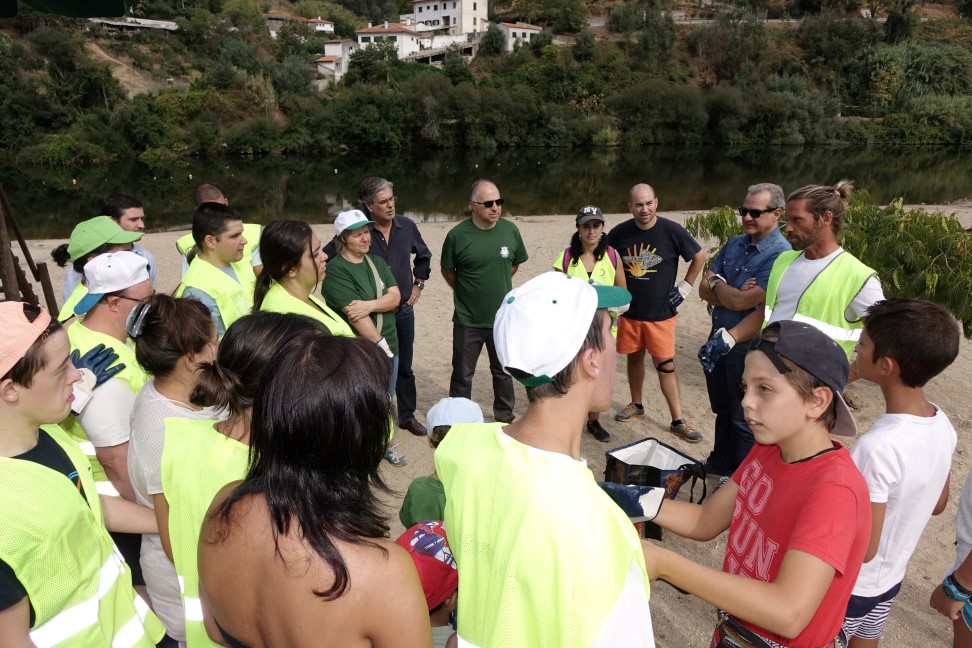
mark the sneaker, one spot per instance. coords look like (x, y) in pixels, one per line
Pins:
(595, 428)
(684, 429)
(395, 456)
(629, 412)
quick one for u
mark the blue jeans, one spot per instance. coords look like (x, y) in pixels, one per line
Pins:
(733, 438)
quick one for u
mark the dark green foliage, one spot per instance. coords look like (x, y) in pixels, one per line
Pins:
(585, 46)
(372, 64)
(293, 75)
(540, 40)
(493, 42)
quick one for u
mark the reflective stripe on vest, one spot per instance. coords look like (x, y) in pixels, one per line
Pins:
(78, 584)
(234, 299)
(67, 311)
(826, 300)
(197, 461)
(278, 300)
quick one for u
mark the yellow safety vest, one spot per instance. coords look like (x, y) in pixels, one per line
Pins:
(197, 461)
(543, 552)
(824, 303)
(79, 586)
(233, 299)
(84, 339)
(278, 300)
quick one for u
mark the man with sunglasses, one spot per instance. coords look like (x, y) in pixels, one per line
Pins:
(116, 282)
(479, 258)
(735, 286)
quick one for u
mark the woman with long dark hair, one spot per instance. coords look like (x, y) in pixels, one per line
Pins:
(202, 456)
(589, 257)
(296, 554)
(293, 266)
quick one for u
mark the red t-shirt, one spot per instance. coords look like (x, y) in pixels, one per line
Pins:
(820, 507)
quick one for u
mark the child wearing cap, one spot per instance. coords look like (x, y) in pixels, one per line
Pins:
(797, 508)
(61, 582)
(425, 498)
(906, 455)
(545, 557)
(589, 257)
(426, 543)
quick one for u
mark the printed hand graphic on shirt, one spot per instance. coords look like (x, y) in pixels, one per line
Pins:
(639, 263)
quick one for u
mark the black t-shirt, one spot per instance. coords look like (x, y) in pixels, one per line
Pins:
(46, 453)
(650, 260)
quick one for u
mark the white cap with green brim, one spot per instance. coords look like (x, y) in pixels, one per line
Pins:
(540, 326)
(349, 220)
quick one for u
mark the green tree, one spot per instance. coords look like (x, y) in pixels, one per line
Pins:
(492, 43)
(372, 64)
(585, 46)
(292, 75)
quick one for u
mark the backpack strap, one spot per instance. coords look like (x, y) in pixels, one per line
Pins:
(613, 255)
(566, 259)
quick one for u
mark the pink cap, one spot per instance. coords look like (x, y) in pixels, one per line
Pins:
(19, 333)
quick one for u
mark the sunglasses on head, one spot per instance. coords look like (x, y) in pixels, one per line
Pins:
(754, 213)
(489, 203)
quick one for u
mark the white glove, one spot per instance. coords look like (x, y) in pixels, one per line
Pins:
(383, 343)
(82, 390)
(684, 288)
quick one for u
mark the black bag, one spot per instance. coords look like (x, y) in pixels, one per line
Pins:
(650, 462)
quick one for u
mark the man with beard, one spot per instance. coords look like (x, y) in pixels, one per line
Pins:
(819, 282)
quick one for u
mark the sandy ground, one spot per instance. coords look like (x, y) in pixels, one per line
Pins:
(679, 620)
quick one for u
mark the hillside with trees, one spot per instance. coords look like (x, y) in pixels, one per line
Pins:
(816, 73)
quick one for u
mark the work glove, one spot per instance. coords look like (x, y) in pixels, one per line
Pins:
(637, 502)
(718, 345)
(679, 293)
(98, 361)
(383, 343)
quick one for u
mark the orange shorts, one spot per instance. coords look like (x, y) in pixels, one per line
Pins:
(657, 338)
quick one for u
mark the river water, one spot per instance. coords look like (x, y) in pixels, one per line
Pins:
(434, 184)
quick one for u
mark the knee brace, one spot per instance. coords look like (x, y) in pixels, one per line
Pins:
(666, 366)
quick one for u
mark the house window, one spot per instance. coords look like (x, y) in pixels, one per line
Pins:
(393, 38)
(474, 21)
(435, 7)
(420, 9)
(453, 5)
(366, 39)
(474, 6)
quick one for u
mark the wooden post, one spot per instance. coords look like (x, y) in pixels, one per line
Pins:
(8, 271)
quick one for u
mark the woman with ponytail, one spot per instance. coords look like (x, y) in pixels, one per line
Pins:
(296, 554)
(293, 266)
(200, 457)
(172, 337)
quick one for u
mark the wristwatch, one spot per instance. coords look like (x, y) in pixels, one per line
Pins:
(714, 280)
(420, 284)
(954, 590)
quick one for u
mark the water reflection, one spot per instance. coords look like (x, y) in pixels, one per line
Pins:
(433, 185)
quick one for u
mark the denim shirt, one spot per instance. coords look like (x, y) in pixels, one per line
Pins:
(739, 260)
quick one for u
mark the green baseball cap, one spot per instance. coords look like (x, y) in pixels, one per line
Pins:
(91, 234)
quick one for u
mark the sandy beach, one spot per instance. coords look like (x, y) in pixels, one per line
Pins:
(679, 620)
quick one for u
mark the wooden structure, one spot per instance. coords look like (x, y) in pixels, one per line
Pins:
(13, 279)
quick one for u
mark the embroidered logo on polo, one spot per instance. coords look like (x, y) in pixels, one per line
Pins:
(505, 252)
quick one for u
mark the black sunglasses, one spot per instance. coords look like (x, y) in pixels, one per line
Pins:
(488, 204)
(754, 213)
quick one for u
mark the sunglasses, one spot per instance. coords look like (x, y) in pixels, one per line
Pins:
(488, 204)
(754, 213)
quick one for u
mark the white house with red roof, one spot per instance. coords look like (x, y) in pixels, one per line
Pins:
(450, 16)
(405, 37)
(518, 31)
(321, 25)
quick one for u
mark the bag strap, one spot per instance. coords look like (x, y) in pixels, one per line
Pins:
(696, 472)
(566, 259)
(379, 320)
(613, 255)
(737, 634)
